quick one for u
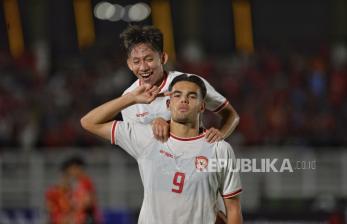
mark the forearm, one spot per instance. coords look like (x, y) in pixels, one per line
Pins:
(98, 121)
(234, 217)
(233, 208)
(230, 120)
(107, 111)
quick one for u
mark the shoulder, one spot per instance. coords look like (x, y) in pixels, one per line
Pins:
(131, 87)
(134, 125)
(224, 149)
(138, 130)
(172, 74)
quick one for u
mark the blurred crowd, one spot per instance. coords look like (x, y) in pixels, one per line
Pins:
(44, 109)
(283, 98)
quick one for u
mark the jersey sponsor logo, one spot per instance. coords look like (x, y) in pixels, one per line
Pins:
(165, 153)
(201, 163)
(142, 114)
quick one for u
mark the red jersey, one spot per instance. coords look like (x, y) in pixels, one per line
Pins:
(59, 206)
(84, 201)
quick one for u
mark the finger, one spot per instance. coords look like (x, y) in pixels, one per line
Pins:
(168, 93)
(213, 135)
(209, 136)
(147, 86)
(214, 139)
(154, 89)
(154, 129)
(156, 92)
(163, 94)
(153, 95)
(208, 133)
(219, 136)
(160, 133)
(151, 98)
(166, 133)
(150, 89)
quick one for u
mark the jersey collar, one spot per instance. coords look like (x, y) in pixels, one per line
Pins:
(188, 139)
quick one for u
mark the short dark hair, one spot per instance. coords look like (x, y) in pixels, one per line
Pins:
(190, 78)
(135, 34)
(72, 161)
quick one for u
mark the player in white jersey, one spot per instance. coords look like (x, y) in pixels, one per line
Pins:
(175, 189)
(145, 58)
(146, 113)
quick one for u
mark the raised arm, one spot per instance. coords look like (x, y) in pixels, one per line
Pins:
(230, 119)
(99, 120)
(233, 209)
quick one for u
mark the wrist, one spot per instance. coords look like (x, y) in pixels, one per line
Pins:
(130, 98)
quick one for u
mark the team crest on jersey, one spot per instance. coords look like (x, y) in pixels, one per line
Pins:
(201, 163)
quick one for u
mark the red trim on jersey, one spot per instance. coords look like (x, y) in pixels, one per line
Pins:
(113, 131)
(220, 107)
(187, 139)
(232, 194)
(162, 83)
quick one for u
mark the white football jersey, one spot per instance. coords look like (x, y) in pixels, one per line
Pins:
(146, 113)
(175, 189)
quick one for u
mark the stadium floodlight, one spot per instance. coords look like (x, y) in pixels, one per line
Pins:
(139, 12)
(126, 17)
(118, 13)
(115, 12)
(104, 10)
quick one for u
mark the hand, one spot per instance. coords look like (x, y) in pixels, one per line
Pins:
(160, 129)
(221, 218)
(145, 93)
(212, 135)
(167, 93)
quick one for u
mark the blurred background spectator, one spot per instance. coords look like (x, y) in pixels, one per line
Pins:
(289, 91)
(283, 99)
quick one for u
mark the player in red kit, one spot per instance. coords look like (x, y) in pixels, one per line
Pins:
(83, 193)
(58, 201)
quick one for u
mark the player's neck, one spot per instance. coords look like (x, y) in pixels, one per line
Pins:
(184, 130)
(161, 79)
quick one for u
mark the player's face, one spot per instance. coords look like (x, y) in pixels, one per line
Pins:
(73, 171)
(147, 64)
(186, 102)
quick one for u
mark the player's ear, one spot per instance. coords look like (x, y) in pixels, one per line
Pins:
(164, 58)
(130, 65)
(203, 106)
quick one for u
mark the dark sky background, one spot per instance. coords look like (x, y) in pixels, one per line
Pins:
(292, 23)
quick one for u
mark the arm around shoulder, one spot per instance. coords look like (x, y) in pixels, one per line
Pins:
(233, 209)
(230, 119)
